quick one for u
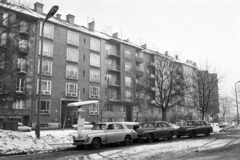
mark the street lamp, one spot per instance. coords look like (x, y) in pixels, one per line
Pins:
(50, 14)
(237, 101)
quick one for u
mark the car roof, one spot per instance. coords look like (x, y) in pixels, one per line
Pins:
(156, 121)
(130, 123)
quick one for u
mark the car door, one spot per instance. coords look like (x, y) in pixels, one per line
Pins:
(111, 133)
(204, 127)
(120, 132)
(165, 129)
(198, 128)
(159, 131)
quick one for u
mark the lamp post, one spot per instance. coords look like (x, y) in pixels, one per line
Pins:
(50, 14)
(237, 101)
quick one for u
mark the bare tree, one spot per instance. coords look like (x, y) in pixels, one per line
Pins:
(169, 82)
(104, 100)
(139, 97)
(14, 38)
(203, 88)
(225, 105)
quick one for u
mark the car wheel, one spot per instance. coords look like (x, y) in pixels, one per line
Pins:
(178, 136)
(80, 146)
(208, 133)
(150, 138)
(127, 140)
(96, 143)
(191, 134)
(170, 136)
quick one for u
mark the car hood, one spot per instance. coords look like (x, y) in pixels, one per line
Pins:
(141, 130)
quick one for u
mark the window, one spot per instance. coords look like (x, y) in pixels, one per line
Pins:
(109, 108)
(94, 91)
(46, 67)
(72, 54)
(22, 65)
(46, 87)
(5, 18)
(95, 44)
(128, 67)
(108, 78)
(45, 107)
(94, 109)
(128, 95)
(94, 60)
(3, 39)
(23, 26)
(94, 75)
(72, 72)
(48, 31)
(127, 54)
(18, 104)
(119, 126)
(110, 49)
(128, 81)
(22, 45)
(72, 38)
(71, 89)
(47, 49)
(20, 85)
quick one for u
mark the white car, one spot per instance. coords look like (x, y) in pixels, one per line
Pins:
(87, 126)
(23, 128)
(105, 133)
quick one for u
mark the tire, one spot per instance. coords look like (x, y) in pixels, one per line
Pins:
(127, 140)
(171, 136)
(208, 133)
(80, 147)
(96, 143)
(191, 134)
(150, 138)
(178, 136)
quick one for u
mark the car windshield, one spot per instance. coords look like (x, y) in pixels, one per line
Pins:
(149, 125)
(189, 123)
(99, 127)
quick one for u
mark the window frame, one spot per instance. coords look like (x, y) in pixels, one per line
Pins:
(95, 58)
(47, 72)
(69, 69)
(94, 92)
(130, 68)
(72, 56)
(49, 87)
(47, 26)
(22, 65)
(22, 85)
(46, 54)
(128, 84)
(95, 44)
(67, 88)
(91, 76)
(49, 107)
(75, 36)
(127, 53)
(94, 109)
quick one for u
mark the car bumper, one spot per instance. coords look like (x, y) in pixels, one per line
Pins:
(80, 142)
(142, 137)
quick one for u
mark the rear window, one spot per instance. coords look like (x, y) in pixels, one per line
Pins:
(134, 127)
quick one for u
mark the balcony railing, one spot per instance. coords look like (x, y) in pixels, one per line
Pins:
(113, 53)
(139, 59)
(150, 64)
(129, 99)
(139, 72)
(114, 68)
(23, 50)
(114, 83)
(115, 98)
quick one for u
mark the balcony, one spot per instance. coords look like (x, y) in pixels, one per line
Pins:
(150, 64)
(129, 99)
(115, 68)
(114, 83)
(24, 33)
(113, 53)
(23, 51)
(139, 73)
(139, 59)
(115, 98)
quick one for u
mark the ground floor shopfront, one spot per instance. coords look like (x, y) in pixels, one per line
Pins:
(18, 115)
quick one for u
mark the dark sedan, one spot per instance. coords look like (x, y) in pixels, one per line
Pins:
(154, 130)
(193, 128)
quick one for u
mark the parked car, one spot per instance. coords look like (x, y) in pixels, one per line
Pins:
(154, 130)
(192, 128)
(222, 125)
(23, 128)
(87, 125)
(105, 133)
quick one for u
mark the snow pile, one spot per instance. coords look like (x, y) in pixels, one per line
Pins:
(18, 142)
(230, 128)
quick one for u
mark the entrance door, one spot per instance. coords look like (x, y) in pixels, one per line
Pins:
(26, 120)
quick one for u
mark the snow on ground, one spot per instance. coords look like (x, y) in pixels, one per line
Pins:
(13, 142)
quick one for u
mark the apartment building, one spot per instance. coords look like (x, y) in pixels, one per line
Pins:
(17, 52)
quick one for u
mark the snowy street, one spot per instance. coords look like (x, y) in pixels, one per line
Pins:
(202, 147)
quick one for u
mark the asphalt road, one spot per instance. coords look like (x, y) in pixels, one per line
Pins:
(228, 151)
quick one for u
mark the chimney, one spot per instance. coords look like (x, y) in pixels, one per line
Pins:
(38, 7)
(59, 16)
(115, 35)
(144, 46)
(91, 26)
(70, 18)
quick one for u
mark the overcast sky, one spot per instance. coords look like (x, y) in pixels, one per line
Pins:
(195, 29)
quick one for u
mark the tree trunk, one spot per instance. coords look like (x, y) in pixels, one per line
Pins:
(101, 116)
(203, 115)
(164, 115)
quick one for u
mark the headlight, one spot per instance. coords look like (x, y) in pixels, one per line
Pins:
(87, 138)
